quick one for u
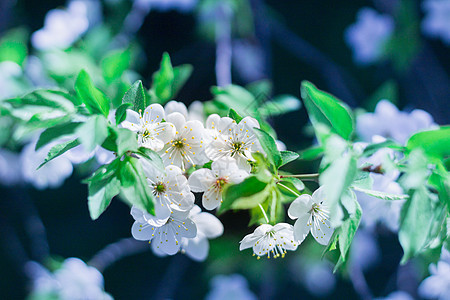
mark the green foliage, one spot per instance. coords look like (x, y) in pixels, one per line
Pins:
(381, 195)
(121, 112)
(13, 46)
(287, 157)
(55, 132)
(167, 81)
(234, 115)
(58, 150)
(325, 109)
(279, 105)
(136, 97)
(249, 187)
(270, 147)
(114, 64)
(434, 143)
(96, 102)
(93, 132)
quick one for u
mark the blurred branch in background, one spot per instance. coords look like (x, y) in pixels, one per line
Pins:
(223, 44)
(116, 251)
(5, 13)
(171, 280)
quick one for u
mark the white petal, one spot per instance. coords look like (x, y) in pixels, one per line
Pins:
(322, 231)
(211, 198)
(263, 229)
(201, 180)
(142, 232)
(302, 227)
(208, 224)
(132, 121)
(238, 176)
(319, 196)
(165, 132)
(301, 206)
(153, 144)
(248, 241)
(153, 114)
(162, 212)
(175, 106)
(185, 228)
(177, 119)
(165, 240)
(212, 121)
(197, 248)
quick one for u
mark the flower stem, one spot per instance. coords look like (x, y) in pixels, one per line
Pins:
(302, 176)
(264, 213)
(289, 189)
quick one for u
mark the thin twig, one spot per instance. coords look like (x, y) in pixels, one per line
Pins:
(289, 189)
(264, 213)
(302, 176)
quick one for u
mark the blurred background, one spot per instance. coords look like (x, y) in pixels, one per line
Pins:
(360, 51)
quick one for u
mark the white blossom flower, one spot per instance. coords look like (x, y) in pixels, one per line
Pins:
(212, 182)
(368, 36)
(52, 174)
(166, 238)
(10, 73)
(437, 286)
(72, 281)
(238, 141)
(62, 27)
(171, 191)
(313, 215)
(233, 286)
(397, 295)
(151, 132)
(437, 21)
(216, 126)
(208, 227)
(389, 122)
(194, 112)
(187, 146)
(268, 239)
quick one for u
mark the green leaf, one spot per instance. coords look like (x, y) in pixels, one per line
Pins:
(336, 180)
(58, 150)
(152, 157)
(13, 46)
(120, 140)
(279, 105)
(348, 229)
(250, 186)
(372, 148)
(325, 109)
(236, 97)
(114, 64)
(135, 188)
(121, 112)
(136, 96)
(45, 98)
(95, 101)
(253, 200)
(381, 195)
(287, 157)
(55, 132)
(163, 80)
(416, 220)
(234, 115)
(269, 146)
(180, 75)
(435, 143)
(312, 153)
(93, 132)
(103, 185)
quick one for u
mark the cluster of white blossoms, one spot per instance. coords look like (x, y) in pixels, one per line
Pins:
(184, 143)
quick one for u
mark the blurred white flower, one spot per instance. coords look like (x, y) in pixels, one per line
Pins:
(365, 252)
(280, 145)
(237, 141)
(368, 36)
(436, 22)
(313, 216)
(10, 72)
(187, 146)
(52, 174)
(194, 112)
(152, 132)
(389, 122)
(233, 286)
(62, 27)
(437, 286)
(167, 237)
(268, 239)
(397, 295)
(212, 182)
(10, 168)
(319, 279)
(74, 280)
(208, 227)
